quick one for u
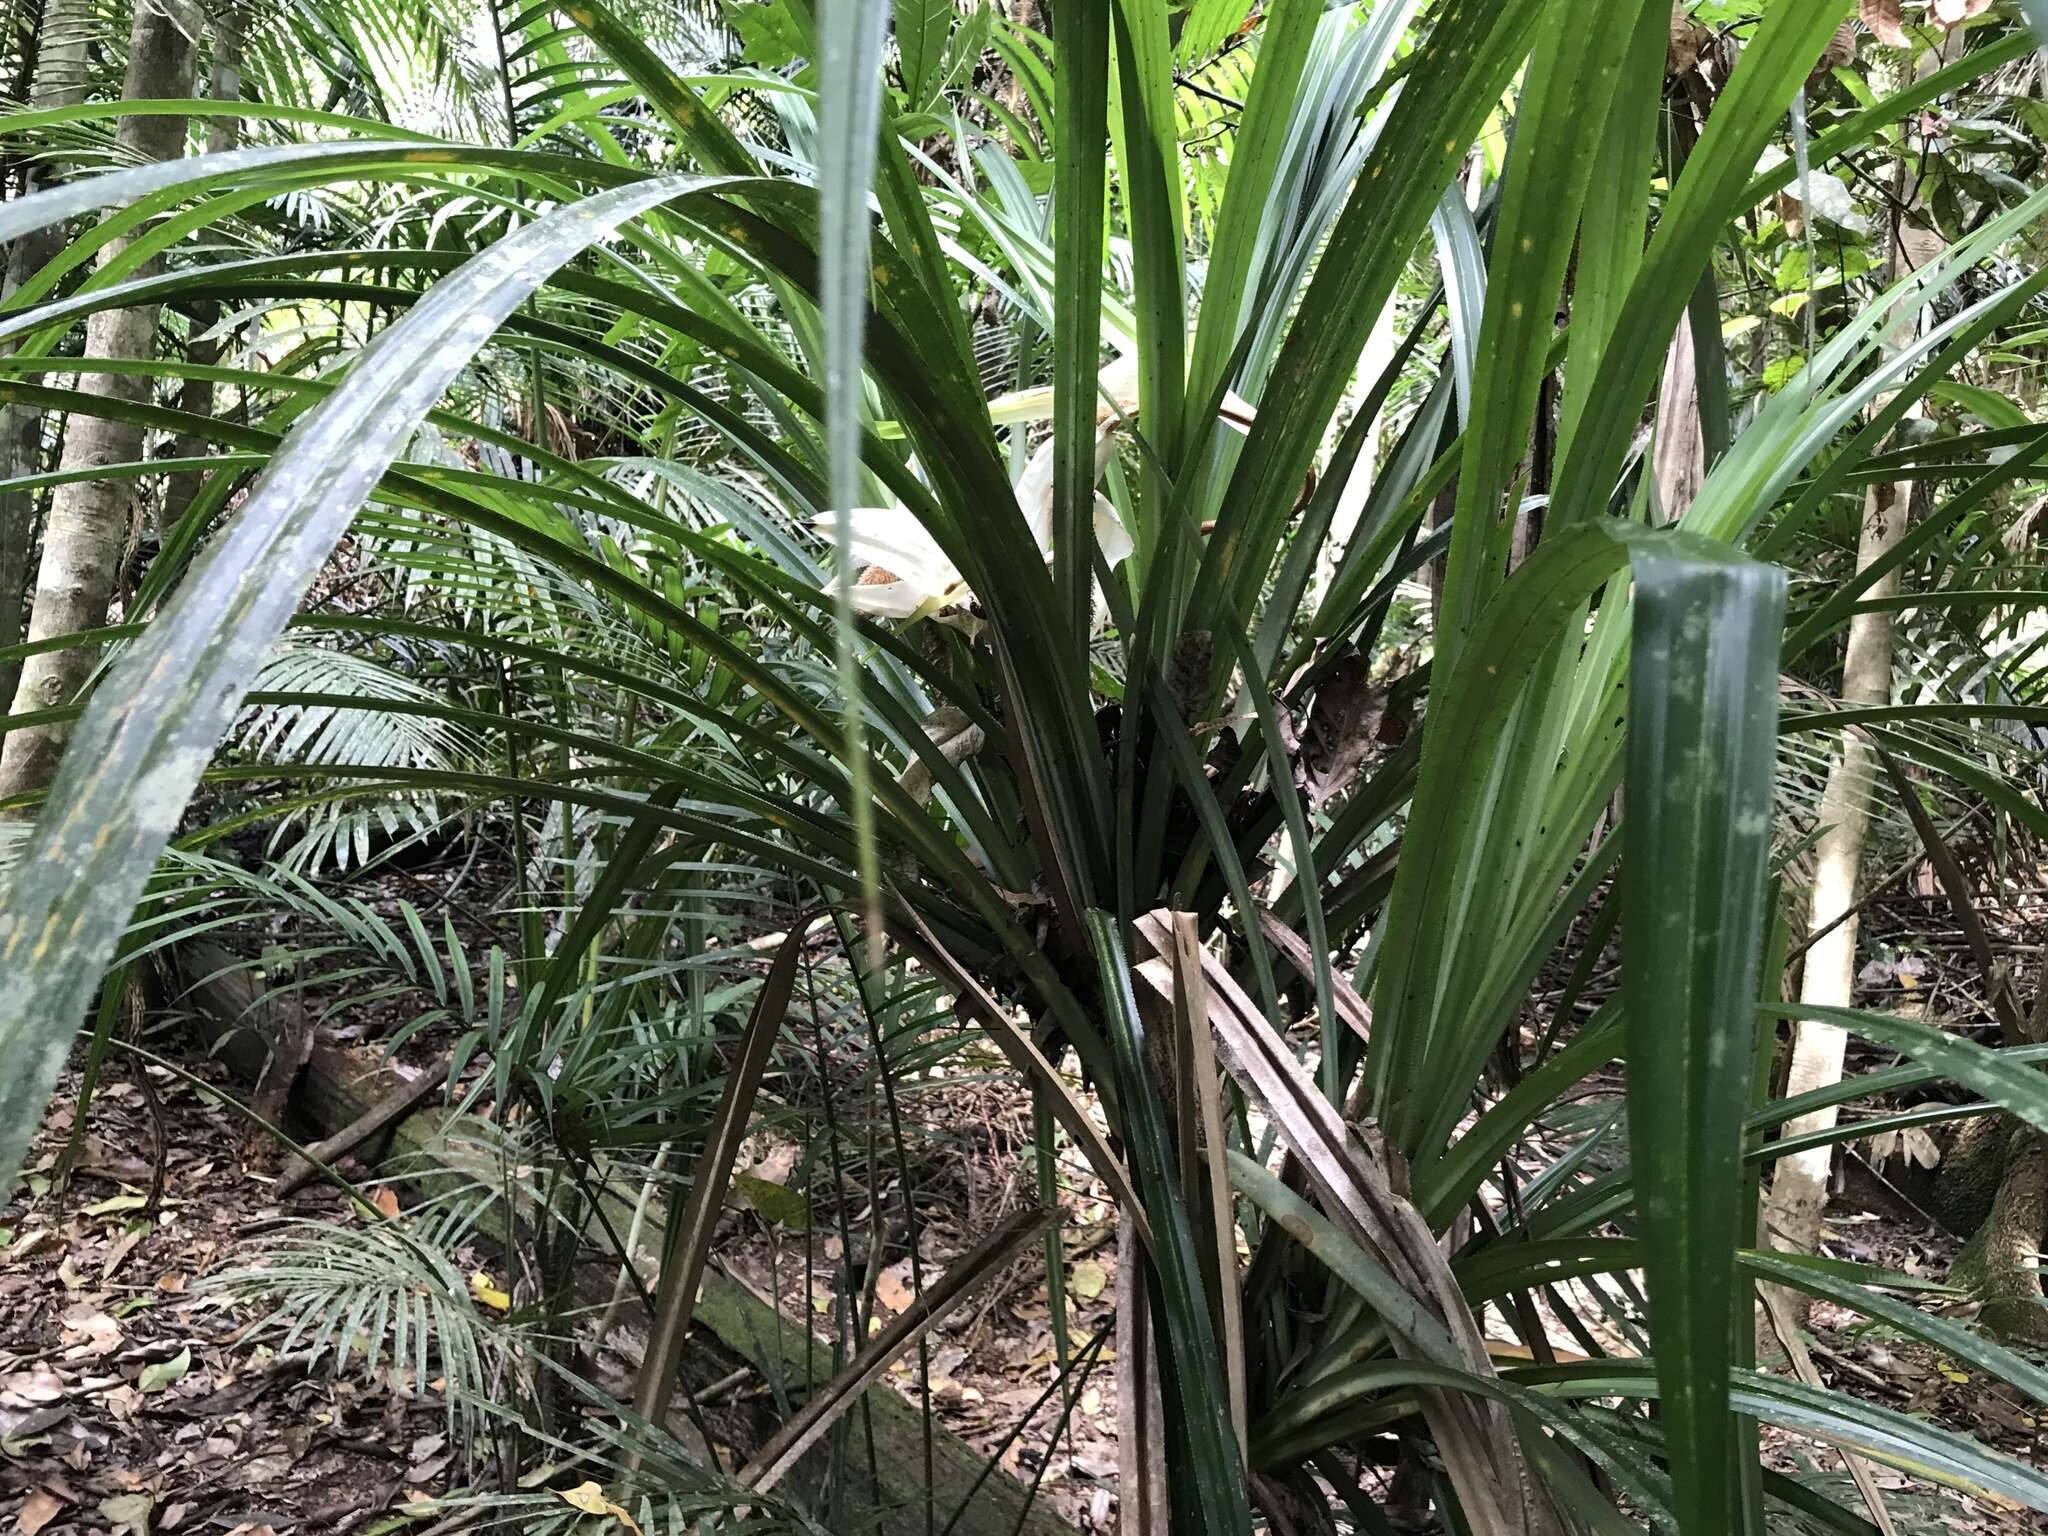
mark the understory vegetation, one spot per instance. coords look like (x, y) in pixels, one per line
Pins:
(1337, 701)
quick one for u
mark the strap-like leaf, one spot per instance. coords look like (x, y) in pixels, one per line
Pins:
(1701, 742)
(144, 741)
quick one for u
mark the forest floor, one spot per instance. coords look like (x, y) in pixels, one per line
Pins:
(138, 1394)
(135, 1396)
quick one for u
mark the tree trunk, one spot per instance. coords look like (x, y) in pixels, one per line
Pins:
(195, 397)
(1799, 1187)
(1997, 1266)
(1799, 1184)
(89, 518)
(1993, 1184)
(58, 80)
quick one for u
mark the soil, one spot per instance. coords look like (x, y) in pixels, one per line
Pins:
(138, 1394)
(134, 1395)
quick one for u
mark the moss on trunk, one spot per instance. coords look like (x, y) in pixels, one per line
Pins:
(1972, 1166)
(1994, 1185)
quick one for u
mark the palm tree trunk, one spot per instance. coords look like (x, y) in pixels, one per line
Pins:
(57, 80)
(89, 518)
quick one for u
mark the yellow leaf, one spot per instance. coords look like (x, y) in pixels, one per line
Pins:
(1954, 1375)
(1087, 1279)
(486, 1291)
(589, 1498)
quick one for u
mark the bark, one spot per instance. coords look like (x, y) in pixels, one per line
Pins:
(1972, 1167)
(89, 519)
(1993, 1184)
(1997, 1265)
(196, 395)
(1799, 1187)
(58, 80)
(1799, 1184)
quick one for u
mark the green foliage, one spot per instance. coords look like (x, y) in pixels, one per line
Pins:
(562, 462)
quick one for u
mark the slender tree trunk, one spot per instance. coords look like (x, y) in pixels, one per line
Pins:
(1799, 1183)
(89, 518)
(1799, 1186)
(57, 80)
(222, 133)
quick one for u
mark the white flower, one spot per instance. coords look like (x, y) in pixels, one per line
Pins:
(1116, 397)
(907, 575)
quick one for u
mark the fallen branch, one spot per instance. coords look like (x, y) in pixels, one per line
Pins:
(379, 1117)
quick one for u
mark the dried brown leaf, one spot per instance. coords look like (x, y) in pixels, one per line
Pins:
(37, 1511)
(893, 1289)
(1882, 17)
(1087, 1279)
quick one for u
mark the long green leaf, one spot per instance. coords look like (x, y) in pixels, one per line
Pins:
(851, 39)
(1081, 41)
(142, 745)
(1701, 740)
(1208, 1473)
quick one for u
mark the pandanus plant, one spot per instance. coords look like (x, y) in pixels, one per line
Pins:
(1115, 841)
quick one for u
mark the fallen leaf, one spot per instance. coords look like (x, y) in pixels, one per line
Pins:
(89, 1331)
(589, 1497)
(173, 1280)
(31, 1388)
(128, 1511)
(386, 1200)
(486, 1291)
(123, 1246)
(776, 1203)
(893, 1289)
(37, 1511)
(155, 1378)
(1087, 1279)
(114, 1203)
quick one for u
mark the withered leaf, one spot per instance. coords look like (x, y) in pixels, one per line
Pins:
(37, 1511)
(1882, 17)
(1343, 726)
